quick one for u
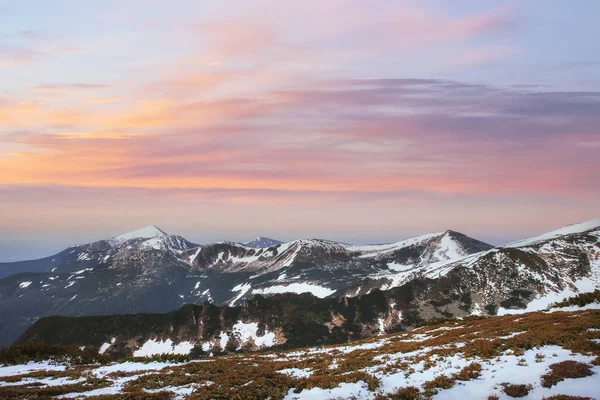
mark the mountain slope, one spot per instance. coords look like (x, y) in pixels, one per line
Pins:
(499, 357)
(438, 275)
(137, 273)
(319, 266)
(525, 275)
(502, 280)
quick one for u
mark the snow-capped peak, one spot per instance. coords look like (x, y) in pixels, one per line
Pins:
(148, 232)
(565, 230)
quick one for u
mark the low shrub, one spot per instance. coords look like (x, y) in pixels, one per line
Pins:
(407, 393)
(580, 300)
(514, 390)
(471, 371)
(564, 370)
(481, 348)
(440, 381)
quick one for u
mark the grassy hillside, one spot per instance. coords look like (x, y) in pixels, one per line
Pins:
(540, 354)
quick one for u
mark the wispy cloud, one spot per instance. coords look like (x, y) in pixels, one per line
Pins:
(420, 135)
(11, 56)
(103, 99)
(69, 87)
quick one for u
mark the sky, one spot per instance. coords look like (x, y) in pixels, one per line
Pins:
(358, 121)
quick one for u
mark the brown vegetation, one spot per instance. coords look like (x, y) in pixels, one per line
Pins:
(407, 393)
(564, 370)
(514, 390)
(38, 351)
(255, 375)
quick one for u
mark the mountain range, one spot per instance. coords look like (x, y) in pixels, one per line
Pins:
(349, 291)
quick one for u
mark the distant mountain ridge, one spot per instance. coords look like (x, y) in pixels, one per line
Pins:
(150, 271)
(437, 275)
(503, 280)
(262, 242)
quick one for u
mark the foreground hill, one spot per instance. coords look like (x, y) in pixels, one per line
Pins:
(499, 357)
(151, 271)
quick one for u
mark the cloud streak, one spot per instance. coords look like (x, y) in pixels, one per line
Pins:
(432, 136)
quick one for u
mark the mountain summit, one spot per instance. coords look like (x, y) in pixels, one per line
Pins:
(103, 251)
(148, 232)
(262, 242)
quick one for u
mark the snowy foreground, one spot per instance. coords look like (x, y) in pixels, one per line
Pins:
(469, 359)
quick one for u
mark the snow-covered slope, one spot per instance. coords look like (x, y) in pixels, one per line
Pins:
(531, 274)
(565, 230)
(325, 267)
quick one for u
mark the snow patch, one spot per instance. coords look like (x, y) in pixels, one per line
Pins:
(153, 347)
(105, 346)
(193, 256)
(316, 290)
(243, 289)
(81, 271)
(10, 370)
(296, 372)
(246, 331)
